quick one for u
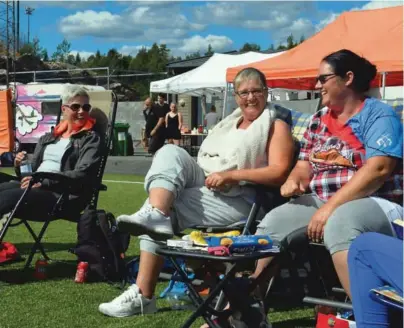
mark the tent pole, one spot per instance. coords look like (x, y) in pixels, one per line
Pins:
(225, 100)
(383, 85)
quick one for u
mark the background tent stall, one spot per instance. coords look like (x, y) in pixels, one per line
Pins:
(6, 122)
(209, 79)
(375, 34)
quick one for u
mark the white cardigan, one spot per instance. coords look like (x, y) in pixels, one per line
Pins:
(227, 149)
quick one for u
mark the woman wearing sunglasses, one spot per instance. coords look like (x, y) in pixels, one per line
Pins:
(348, 179)
(72, 149)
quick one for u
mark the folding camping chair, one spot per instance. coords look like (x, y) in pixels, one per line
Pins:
(59, 210)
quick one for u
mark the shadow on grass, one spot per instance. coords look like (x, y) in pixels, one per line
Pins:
(56, 270)
(24, 248)
(295, 323)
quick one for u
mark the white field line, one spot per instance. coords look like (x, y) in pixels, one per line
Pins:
(117, 181)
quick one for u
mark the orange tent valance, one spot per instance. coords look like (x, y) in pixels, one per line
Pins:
(374, 34)
(6, 122)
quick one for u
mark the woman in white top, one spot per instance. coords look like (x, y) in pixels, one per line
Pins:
(250, 145)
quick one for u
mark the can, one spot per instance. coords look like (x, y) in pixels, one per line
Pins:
(81, 273)
(40, 269)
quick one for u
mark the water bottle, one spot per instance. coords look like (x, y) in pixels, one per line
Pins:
(25, 167)
(178, 301)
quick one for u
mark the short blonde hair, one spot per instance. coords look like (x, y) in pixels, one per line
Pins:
(73, 90)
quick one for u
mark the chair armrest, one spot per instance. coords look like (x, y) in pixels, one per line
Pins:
(103, 187)
(62, 179)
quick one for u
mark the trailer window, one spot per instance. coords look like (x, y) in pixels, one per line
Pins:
(50, 108)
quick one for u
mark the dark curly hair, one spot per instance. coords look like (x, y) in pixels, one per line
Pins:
(344, 60)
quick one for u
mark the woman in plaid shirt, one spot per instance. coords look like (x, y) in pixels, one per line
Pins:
(348, 179)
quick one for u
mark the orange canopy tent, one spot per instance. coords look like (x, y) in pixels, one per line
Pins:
(376, 35)
(6, 122)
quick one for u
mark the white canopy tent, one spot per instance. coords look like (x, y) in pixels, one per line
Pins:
(210, 77)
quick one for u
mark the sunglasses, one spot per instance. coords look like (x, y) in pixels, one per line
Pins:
(323, 77)
(76, 107)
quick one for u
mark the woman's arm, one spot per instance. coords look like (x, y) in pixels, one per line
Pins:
(367, 180)
(179, 121)
(166, 120)
(280, 150)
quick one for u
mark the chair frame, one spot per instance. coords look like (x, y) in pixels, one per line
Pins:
(66, 183)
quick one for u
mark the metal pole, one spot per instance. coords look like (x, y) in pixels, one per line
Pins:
(18, 25)
(7, 46)
(107, 78)
(225, 100)
(384, 85)
(34, 76)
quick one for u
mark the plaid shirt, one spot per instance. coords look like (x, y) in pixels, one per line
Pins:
(337, 151)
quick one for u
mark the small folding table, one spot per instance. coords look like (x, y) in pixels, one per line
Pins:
(233, 265)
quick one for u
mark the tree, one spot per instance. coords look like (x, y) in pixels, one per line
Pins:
(33, 48)
(290, 42)
(71, 59)
(302, 39)
(210, 51)
(44, 55)
(196, 54)
(78, 59)
(281, 47)
(62, 51)
(271, 48)
(250, 47)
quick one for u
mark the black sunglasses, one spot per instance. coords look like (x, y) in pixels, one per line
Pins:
(323, 77)
(76, 107)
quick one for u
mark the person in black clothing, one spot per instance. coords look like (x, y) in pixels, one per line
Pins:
(146, 113)
(173, 125)
(155, 122)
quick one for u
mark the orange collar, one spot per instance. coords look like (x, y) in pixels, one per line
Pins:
(62, 127)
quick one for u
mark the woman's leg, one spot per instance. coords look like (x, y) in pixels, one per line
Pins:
(346, 223)
(4, 177)
(374, 260)
(38, 202)
(284, 220)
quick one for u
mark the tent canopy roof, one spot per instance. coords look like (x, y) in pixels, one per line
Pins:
(209, 77)
(376, 35)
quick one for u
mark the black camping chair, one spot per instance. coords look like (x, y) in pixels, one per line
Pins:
(105, 128)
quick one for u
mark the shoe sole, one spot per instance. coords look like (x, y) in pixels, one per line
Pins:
(152, 310)
(138, 230)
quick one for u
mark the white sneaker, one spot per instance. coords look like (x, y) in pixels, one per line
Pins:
(147, 221)
(130, 302)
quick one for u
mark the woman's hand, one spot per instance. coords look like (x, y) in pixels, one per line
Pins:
(25, 182)
(218, 180)
(19, 158)
(292, 188)
(315, 230)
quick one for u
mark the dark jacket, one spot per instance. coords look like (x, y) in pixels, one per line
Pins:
(80, 161)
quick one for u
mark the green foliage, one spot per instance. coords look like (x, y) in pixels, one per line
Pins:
(33, 49)
(78, 59)
(290, 42)
(210, 51)
(44, 55)
(250, 47)
(62, 52)
(196, 54)
(302, 39)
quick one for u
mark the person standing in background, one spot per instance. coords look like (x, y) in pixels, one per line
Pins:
(173, 125)
(147, 128)
(157, 121)
(211, 118)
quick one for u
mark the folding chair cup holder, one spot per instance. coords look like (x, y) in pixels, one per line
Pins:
(58, 211)
(228, 281)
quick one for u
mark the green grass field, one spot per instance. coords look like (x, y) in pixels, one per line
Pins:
(60, 302)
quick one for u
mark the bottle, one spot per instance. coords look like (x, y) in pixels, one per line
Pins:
(178, 301)
(40, 269)
(25, 167)
(81, 273)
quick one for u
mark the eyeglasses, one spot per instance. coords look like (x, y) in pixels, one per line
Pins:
(76, 107)
(323, 77)
(255, 93)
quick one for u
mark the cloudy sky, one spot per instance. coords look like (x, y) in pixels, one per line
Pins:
(185, 27)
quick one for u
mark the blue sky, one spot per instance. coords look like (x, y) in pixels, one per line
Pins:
(185, 27)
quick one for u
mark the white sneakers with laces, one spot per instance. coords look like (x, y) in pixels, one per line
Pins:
(130, 302)
(147, 221)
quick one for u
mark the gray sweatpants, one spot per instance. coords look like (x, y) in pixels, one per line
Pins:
(175, 170)
(346, 223)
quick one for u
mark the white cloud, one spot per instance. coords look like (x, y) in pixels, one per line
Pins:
(83, 54)
(137, 23)
(199, 43)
